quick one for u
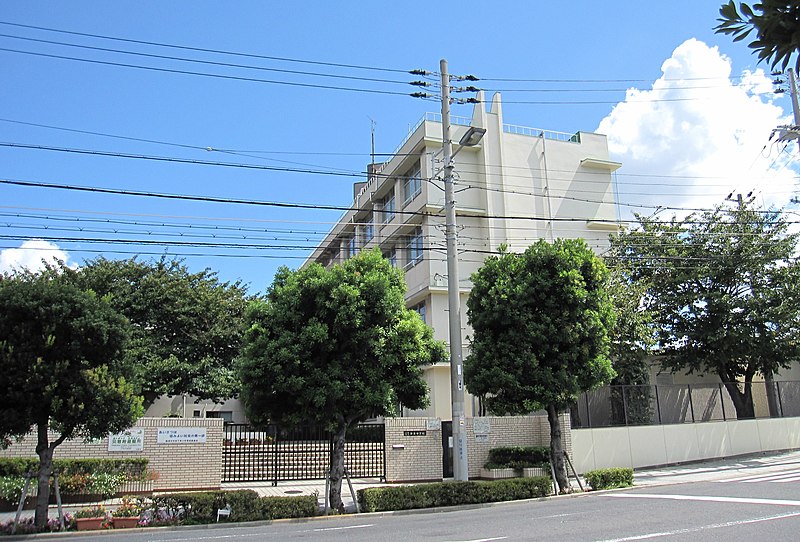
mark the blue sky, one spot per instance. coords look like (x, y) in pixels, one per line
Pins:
(677, 101)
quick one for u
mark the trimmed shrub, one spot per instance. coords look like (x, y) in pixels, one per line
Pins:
(246, 505)
(518, 457)
(134, 468)
(289, 507)
(380, 499)
(610, 478)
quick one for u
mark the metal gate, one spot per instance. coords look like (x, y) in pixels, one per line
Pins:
(278, 454)
(447, 449)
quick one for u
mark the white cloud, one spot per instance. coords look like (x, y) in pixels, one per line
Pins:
(679, 152)
(31, 255)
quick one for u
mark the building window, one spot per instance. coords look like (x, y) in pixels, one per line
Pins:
(422, 310)
(412, 184)
(415, 248)
(226, 415)
(388, 208)
(392, 257)
(369, 230)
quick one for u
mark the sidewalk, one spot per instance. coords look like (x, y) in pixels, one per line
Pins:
(677, 474)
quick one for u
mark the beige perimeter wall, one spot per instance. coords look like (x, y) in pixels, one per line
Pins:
(414, 445)
(178, 466)
(653, 445)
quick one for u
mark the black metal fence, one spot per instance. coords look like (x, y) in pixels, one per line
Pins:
(689, 403)
(303, 453)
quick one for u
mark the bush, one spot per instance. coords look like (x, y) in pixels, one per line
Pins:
(609, 478)
(246, 505)
(518, 457)
(380, 499)
(11, 488)
(289, 507)
(133, 468)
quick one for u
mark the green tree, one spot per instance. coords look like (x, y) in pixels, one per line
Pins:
(60, 353)
(541, 322)
(724, 288)
(186, 328)
(632, 345)
(777, 26)
(334, 347)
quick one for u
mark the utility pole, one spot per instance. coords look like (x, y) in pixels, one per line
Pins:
(789, 132)
(460, 463)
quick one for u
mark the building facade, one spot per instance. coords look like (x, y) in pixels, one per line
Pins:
(518, 185)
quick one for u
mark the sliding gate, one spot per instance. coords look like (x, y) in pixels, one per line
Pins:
(276, 454)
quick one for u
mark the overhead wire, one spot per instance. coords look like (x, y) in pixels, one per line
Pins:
(205, 50)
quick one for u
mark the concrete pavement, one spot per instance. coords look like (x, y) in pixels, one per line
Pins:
(677, 474)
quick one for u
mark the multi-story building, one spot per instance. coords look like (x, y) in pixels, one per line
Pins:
(516, 186)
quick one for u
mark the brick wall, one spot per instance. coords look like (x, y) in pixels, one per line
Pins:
(412, 456)
(179, 466)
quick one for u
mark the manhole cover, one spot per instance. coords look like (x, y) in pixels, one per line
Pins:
(292, 491)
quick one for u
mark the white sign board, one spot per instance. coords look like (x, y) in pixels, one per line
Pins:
(181, 435)
(131, 440)
(481, 426)
(433, 425)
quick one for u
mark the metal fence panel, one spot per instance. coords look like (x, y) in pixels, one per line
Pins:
(302, 453)
(672, 404)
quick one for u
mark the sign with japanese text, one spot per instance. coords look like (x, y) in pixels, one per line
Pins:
(131, 440)
(181, 435)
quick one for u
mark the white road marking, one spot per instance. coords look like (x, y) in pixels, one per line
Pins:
(482, 539)
(323, 529)
(701, 528)
(763, 477)
(740, 500)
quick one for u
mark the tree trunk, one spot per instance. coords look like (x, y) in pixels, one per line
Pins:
(742, 400)
(45, 453)
(556, 451)
(337, 468)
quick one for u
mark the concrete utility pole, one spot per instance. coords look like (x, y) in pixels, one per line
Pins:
(460, 464)
(793, 93)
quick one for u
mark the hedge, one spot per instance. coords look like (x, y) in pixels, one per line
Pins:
(610, 478)
(246, 505)
(134, 468)
(380, 499)
(518, 457)
(75, 476)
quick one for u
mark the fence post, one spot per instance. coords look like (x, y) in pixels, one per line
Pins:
(691, 406)
(658, 404)
(625, 404)
(588, 412)
(722, 402)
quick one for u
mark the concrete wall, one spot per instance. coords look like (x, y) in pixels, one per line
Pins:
(414, 449)
(178, 466)
(653, 445)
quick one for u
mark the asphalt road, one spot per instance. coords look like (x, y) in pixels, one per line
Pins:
(761, 504)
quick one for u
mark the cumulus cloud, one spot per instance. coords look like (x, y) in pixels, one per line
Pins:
(32, 255)
(698, 135)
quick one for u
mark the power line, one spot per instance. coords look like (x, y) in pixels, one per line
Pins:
(206, 50)
(207, 62)
(203, 74)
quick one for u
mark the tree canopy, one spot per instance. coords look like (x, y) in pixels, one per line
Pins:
(334, 347)
(186, 328)
(724, 289)
(541, 322)
(62, 367)
(777, 26)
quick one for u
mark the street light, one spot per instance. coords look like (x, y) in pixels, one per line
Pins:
(470, 138)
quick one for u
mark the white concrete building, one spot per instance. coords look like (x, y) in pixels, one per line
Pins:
(516, 186)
